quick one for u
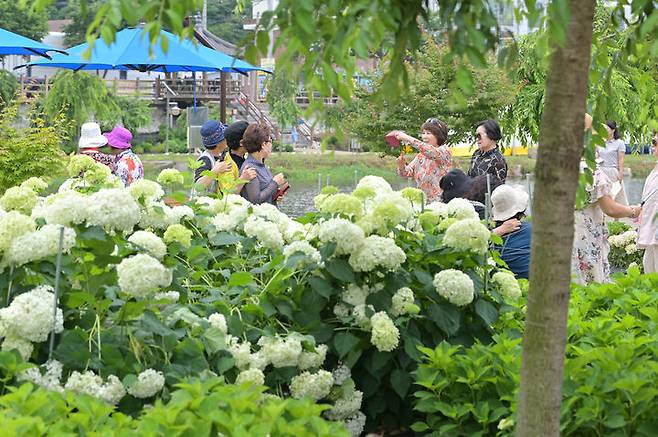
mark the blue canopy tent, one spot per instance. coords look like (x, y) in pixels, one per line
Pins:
(130, 51)
(14, 44)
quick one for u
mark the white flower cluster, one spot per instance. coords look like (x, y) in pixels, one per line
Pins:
(14, 224)
(375, 183)
(241, 351)
(149, 242)
(281, 352)
(462, 209)
(342, 204)
(341, 374)
(468, 234)
(157, 215)
(230, 220)
(112, 391)
(39, 244)
(402, 301)
(507, 285)
(170, 176)
(355, 295)
(145, 191)
(356, 424)
(455, 286)
(303, 246)
(346, 406)
(347, 236)
(141, 274)
(311, 360)
(112, 209)
(21, 199)
(28, 319)
(50, 379)
(266, 232)
(35, 184)
(252, 376)
(626, 241)
(167, 295)
(69, 207)
(312, 385)
(218, 321)
(385, 336)
(391, 209)
(376, 252)
(148, 383)
(179, 234)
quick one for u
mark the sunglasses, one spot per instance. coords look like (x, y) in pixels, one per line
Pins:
(432, 121)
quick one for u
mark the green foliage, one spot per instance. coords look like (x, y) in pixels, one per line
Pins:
(19, 18)
(8, 88)
(611, 352)
(623, 246)
(133, 112)
(29, 151)
(430, 77)
(204, 407)
(281, 92)
(226, 21)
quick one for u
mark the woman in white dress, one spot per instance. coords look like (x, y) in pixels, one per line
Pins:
(612, 156)
(648, 231)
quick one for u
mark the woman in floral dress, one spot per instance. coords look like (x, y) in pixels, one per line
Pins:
(589, 259)
(433, 160)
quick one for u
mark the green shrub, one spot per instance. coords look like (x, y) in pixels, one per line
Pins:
(200, 408)
(8, 87)
(609, 374)
(30, 151)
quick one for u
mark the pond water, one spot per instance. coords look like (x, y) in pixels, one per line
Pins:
(299, 200)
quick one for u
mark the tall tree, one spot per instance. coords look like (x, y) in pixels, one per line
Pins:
(556, 180)
(226, 20)
(21, 19)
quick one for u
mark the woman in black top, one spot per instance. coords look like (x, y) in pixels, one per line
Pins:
(488, 158)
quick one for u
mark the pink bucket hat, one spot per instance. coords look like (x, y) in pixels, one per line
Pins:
(119, 138)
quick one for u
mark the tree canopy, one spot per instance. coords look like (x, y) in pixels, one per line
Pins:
(20, 19)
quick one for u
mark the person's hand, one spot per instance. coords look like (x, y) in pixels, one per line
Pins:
(399, 135)
(402, 161)
(508, 226)
(248, 174)
(221, 167)
(635, 210)
(279, 179)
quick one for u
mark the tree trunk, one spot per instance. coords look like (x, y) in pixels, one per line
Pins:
(560, 149)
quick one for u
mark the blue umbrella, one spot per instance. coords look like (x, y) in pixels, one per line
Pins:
(130, 51)
(14, 44)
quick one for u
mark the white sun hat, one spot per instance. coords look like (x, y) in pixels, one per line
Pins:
(507, 201)
(90, 136)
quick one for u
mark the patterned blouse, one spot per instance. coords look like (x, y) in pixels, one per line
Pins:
(129, 167)
(428, 167)
(100, 157)
(491, 161)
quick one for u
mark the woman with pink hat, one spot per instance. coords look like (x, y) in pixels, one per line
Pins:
(128, 165)
(91, 142)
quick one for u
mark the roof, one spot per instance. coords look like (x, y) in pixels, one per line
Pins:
(209, 39)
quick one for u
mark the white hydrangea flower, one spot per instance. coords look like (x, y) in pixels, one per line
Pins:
(14, 224)
(468, 234)
(218, 321)
(304, 247)
(439, 208)
(623, 239)
(376, 252)
(167, 295)
(49, 380)
(631, 249)
(462, 209)
(281, 352)
(87, 383)
(29, 317)
(270, 213)
(385, 335)
(341, 374)
(209, 204)
(35, 184)
(391, 209)
(259, 361)
(401, 301)
(156, 215)
(112, 209)
(231, 220)
(39, 244)
(145, 191)
(179, 234)
(19, 199)
(141, 274)
(267, 233)
(376, 183)
(455, 286)
(252, 376)
(345, 406)
(312, 385)
(148, 383)
(112, 391)
(508, 285)
(341, 203)
(69, 207)
(170, 176)
(24, 347)
(341, 310)
(180, 212)
(310, 360)
(149, 242)
(355, 295)
(347, 236)
(360, 315)
(356, 424)
(241, 351)
(295, 231)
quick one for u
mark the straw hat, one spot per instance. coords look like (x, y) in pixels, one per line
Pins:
(90, 136)
(508, 201)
